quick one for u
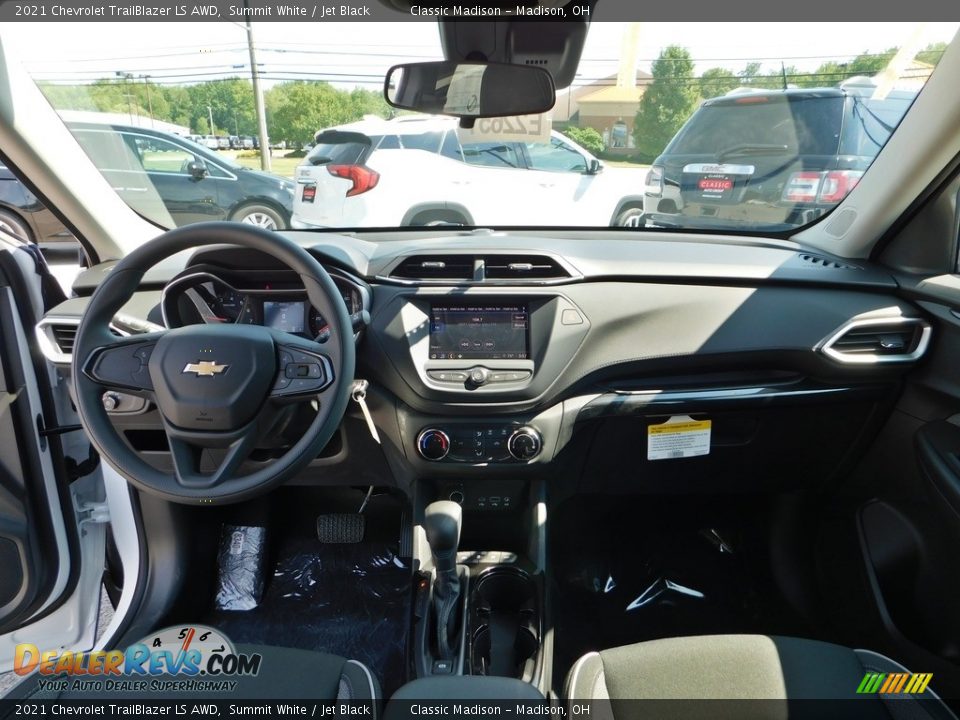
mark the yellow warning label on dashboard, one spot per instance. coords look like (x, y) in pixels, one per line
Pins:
(679, 437)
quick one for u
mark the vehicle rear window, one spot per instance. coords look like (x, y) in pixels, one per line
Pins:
(337, 153)
(806, 125)
(870, 124)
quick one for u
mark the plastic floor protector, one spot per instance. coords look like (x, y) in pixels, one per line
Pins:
(350, 600)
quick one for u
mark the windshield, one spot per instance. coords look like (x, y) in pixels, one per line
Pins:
(285, 125)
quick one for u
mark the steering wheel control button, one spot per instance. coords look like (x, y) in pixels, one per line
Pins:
(524, 444)
(303, 370)
(301, 373)
(433, 444)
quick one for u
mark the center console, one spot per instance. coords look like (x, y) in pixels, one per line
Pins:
(487, 618)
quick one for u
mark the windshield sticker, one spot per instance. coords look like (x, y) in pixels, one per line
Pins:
(463, 93)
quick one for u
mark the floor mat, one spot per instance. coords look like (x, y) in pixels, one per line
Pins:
(351, 600)
(628, 572)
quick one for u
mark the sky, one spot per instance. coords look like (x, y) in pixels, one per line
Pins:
(360, 53)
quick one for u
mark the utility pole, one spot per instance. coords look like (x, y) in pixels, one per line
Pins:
(258, 97)
(146, 81)
(210, 116)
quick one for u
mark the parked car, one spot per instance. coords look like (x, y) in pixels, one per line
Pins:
(175, 182)
(246, 142)
(235, 142)
(223, 142)
(23, 215)
(771, 157)
(413, 170)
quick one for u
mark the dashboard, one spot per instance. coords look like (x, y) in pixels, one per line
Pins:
(507, 355)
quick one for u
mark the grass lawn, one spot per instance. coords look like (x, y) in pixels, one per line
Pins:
(283, 166)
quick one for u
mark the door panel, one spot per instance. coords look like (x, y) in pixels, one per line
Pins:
(37, 542)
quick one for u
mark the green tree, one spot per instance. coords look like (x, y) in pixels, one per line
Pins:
(717, 81)
(932, 53)
(668, 101)
(587, 138)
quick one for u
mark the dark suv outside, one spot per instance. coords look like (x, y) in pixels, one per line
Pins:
(771, 159)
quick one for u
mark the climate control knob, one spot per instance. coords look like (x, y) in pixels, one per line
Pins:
(433, 444)
(525, 444)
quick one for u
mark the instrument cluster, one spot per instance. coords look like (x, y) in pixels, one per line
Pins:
(275, 302)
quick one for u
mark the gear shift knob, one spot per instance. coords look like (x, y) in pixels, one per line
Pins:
(441, 521)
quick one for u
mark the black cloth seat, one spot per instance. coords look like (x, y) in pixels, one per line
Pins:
(285, 674)
(752, 676)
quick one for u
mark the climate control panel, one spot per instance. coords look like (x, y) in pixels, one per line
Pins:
(479, 443)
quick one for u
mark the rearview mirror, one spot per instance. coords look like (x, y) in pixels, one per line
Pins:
(470, 90)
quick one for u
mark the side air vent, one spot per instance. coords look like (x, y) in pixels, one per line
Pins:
(57, 336)
(435, 267)
(821, 261)
(523, 267)
(879, 340)
(63, 337)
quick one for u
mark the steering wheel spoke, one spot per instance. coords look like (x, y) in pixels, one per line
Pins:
(186, 451)
(124, 364)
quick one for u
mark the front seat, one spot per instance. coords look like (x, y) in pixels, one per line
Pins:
(742, 670)
(285, 673)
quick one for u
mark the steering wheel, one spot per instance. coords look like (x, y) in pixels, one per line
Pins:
(218, 388)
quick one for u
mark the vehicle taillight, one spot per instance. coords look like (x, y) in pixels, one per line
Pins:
(802, 187)
(821, 187)
(363, 178)
(654, 182)
(309, 193)
(837, 184)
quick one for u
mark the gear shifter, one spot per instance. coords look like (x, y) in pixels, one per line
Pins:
(441, 522)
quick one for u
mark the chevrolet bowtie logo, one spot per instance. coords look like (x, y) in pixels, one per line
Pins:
(204, 367)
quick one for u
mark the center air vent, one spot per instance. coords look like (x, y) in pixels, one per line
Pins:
(506, 267)
(522, 267)
(435, 267)
(879, 340)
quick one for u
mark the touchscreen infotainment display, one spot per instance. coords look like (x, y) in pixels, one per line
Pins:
(479, 332)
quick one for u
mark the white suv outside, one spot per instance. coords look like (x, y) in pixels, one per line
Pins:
(413, 170)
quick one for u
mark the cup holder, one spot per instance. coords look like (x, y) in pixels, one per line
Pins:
(505, 625)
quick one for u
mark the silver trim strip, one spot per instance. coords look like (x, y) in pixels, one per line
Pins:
(827, 346)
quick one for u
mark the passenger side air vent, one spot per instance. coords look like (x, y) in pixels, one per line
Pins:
(523, 267)
(879, 340)
(435, 267)
(823, 262)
